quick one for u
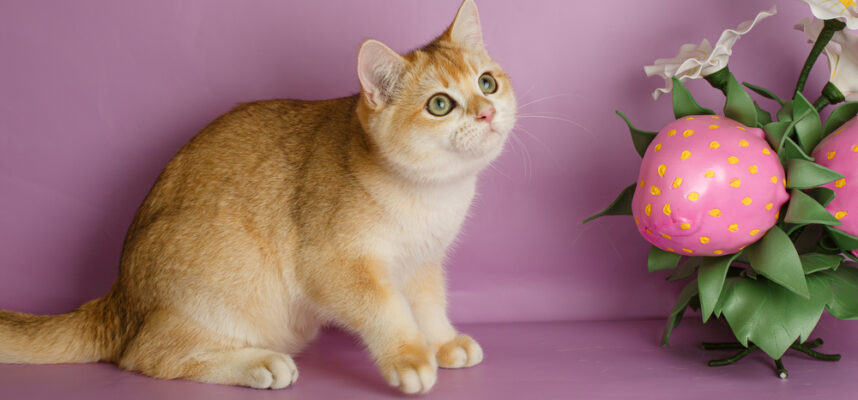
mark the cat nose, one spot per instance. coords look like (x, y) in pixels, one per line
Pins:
(486, 114)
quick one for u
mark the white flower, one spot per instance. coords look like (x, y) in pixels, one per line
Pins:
(842, 53)
(844, 10)
(696, 61)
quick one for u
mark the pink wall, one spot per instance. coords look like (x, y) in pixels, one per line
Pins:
(97, 95)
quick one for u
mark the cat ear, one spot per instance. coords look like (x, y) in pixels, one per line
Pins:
(465, 29)
(379, 69)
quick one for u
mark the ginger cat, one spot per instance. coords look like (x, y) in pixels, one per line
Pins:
(282, 216)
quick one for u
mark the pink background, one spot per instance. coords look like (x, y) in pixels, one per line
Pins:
(97, 95)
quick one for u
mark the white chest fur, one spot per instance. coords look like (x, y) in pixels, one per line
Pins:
(421, 223)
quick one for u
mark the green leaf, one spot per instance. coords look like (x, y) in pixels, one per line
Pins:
(803, 174)
(785, 113)
(740, 107)
(815, 262)
(839, 116)
(641, 139)
(763, 116)
(843, 283)
(622, 205)
(710, 280)
(809, 128)
(660, 260)
(790, 150)
(774, 257)
(775, 132)
(684, 104)
(843, 240)
(764, 92)
(688, 293)
(822, 195)
(685, 269)
(770, 316)
(803, 209)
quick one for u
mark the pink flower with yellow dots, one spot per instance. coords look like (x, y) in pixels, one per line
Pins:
(839, 152)
(708, 186)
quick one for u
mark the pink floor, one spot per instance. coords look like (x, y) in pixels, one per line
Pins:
(581, 360)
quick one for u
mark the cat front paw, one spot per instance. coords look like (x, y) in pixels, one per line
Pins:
(461, 352)
(412, 368)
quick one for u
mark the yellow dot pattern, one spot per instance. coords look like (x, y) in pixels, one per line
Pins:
(735, 182)
(686, 226)
(689, 251)
(685, 155)
(718, 251)
(830, 155)
(662, 169)
(769, 206)
(693, 196)
(747, 201)
(648, 210)
(744, 143)
(657, 147)
(715, 212)
(732, 160)
(688, 132)
(840, 183)
(637, 221)
(841, 214)
(666, 209)
(666, 236)
(671, 132)
(704, 239)
(642, 182)
(709, 174)
(714, 145)
(713, 126)
(733, 227)
(677, 182)
(754, 232)
(655, 190)
(855, 148)
(766, 151)
(774, 179)
(753, 169)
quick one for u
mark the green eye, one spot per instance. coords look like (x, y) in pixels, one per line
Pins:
(488, 84)
(440, 105)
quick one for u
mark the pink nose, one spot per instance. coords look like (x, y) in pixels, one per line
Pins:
(486, 114)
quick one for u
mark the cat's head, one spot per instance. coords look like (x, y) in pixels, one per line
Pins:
(441, 112)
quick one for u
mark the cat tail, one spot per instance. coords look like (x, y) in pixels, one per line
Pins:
(83, 335)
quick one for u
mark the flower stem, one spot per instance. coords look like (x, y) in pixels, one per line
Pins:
(736, 357)
(719, 79)
(815, 354)
(831, 26)
(830, 95)
(780, 370)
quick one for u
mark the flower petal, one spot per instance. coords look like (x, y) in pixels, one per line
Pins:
(696, 61)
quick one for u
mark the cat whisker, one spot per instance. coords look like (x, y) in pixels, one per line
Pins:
(528, 163)
(541, 99)
(534, 137)
(568, 121)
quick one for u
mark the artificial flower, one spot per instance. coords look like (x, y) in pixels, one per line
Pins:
(844, 10)
(697, 61)
(842, 54)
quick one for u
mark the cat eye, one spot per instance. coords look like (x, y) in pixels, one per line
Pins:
(488, 84)
(440, 105)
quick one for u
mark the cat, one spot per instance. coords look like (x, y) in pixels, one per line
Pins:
(282, 216)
